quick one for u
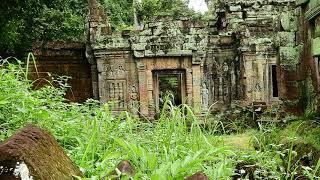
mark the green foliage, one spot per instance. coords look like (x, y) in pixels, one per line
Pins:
(23, 21)
(174, 8)
(120, 13)
(173, 147)
(97, 141)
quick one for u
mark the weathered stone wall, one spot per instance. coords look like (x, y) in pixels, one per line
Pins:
(266, 34)
(308, 39)
(252, 51)
(57, 58)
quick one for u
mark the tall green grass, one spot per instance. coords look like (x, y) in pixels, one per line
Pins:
(96, 140)
(173, 147)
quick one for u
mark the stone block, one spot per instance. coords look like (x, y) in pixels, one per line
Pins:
(193, 31)
(33, 153)
(139, 47)
(289, 56)
(313, 4)
(213, 40)
(316, 46)
(317, 31)
(197, 176)
(190, 46)
(146, 32)
(198, 24)
(285, 39)
(226, 40)
(190, 39)
(159, 30)
(160, 53)
(301, 2)
(149, 53)
(179, 53)
(139, 54)
(154, 24)
(101, 65)
(143, 39)
(235, 15)
(179, 24)
(235, 8)
(94, 24)
(288, 21)
(125, 168)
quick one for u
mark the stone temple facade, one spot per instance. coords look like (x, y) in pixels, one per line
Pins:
(250, 51)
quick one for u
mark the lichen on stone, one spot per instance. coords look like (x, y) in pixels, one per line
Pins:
(289, 56)
(316, 46)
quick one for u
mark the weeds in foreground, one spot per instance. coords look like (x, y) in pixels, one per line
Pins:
(173, 147)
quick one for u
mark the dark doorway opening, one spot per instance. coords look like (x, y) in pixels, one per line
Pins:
(275, 87)
(170, 84)
(170, 87)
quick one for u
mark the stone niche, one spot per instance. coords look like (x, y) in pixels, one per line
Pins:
(233, 57)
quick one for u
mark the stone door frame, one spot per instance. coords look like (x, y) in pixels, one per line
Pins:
(181, 76)
(147, 65)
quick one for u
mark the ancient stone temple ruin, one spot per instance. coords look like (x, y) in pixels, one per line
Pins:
(249, 51)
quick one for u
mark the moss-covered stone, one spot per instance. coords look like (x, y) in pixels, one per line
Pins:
(317, 31)
(314, 4)
(139, 47)
(288, 21)
(285, 39)
(316, 46)
(289, 55)
(300, 2)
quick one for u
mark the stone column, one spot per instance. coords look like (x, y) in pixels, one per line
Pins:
(196, 81)
(150, 93)
(189, 86)
(95, 84)
(143, 89)
(101, 79)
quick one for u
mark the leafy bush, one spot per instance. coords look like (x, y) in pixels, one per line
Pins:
(24, 21)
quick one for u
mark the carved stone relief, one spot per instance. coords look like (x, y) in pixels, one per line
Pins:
(134, 101)
(116, 90)
(205, 97)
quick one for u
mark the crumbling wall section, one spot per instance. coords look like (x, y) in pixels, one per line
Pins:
(57, 58)
(266, 34)
(249, 50)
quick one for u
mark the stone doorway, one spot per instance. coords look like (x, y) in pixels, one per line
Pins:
(170, 83)
(149, 71)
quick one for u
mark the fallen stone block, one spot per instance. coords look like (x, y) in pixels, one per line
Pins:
(198, 176)
(123, 169)
(33, 154)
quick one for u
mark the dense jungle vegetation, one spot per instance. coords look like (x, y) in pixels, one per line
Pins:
(225, 146)
(24, 21)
